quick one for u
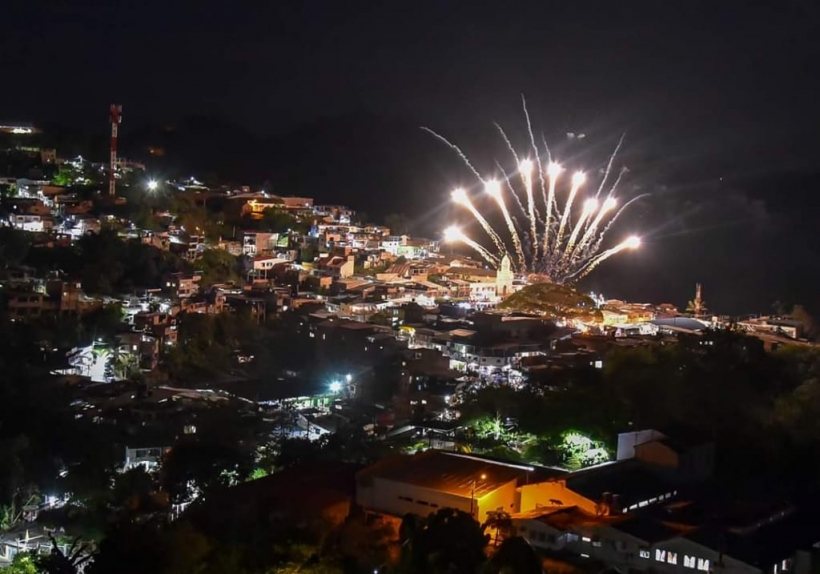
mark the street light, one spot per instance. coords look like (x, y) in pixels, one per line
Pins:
(472, 493)
(152, 185)
(335, 387)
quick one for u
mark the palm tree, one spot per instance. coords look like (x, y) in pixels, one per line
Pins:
(73, 561)
(123, 364)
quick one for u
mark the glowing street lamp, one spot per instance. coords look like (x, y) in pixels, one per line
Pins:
(335, 387)
(152, 185)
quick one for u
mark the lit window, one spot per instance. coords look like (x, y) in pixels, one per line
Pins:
(585, 539)
(671, 557)
(643, 553)
(703, 564)
(689, 561)
(660, 555)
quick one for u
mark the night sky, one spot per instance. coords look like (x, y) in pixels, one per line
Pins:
(719, 101)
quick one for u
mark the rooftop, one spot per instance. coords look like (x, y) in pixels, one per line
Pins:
(450, 472)
(646, 529)
(630, 479)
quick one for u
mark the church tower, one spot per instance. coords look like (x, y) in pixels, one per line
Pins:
(504, 278)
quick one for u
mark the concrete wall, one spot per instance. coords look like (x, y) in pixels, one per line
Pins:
(544, 493)
(620, 550)
(502, 498)
(655, 452)
(628, 440)
(398, 499)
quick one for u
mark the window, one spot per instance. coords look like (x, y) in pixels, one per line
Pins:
(643, 553)
(596, 543)
(585, 539)
(689, 561)
(671, 557)
(660, 555)
(703, 564)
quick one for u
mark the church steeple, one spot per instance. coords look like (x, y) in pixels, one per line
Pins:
(504, 278)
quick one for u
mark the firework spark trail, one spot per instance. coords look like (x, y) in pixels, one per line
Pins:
(609, 167)
(454, 147)
(615, 217)
(541, 246)
(493, 188)
(589, 208)
(509, 143)
(546, 147)
(453, 233)
(607, 206)
(553, 171)
(534, 146)
(525, 169)
(577, 181)
(512, 189)
(589, 266)
(461, 197)
(614, 187)
(489, 257)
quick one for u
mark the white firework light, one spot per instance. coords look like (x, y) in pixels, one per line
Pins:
(560, 233)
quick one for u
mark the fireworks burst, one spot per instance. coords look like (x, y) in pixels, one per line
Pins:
(559, 236)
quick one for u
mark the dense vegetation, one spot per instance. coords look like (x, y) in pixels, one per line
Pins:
(553, 301)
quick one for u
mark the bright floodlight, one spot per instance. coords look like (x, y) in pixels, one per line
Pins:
(633, 242)
(459, 195)
(525, 166)
(452, 233)
(493, 188)
(335, 387)
(578, 178)
(152, 185)
(554, 169)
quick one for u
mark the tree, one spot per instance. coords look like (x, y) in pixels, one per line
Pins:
(124, 365)
(70, 562)
(23, 563)
(307, 254)
(198, 467)
(398, 223)
(137, 548)
(14, 246)
(218, 266)
(554, 301)
(381, 318)
(514, 556)
(809, 325)
(447, 541)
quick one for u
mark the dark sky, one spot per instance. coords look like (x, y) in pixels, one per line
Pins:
(704, 89)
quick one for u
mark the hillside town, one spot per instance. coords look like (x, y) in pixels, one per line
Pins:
(217, 353)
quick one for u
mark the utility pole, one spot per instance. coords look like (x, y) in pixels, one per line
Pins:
(472, 493)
